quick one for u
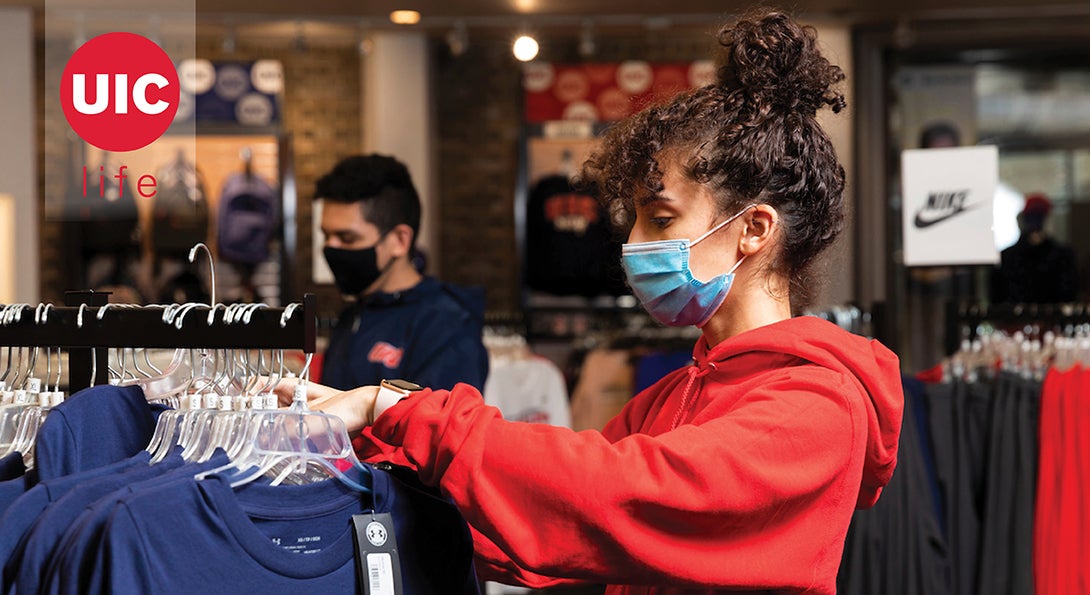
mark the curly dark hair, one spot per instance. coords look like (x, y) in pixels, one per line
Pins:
(752, 137)
(381, 184)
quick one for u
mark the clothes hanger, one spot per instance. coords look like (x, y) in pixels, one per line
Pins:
(293, 440)
(197, 423)
(31, 419)
(15, 398)
(178, 379)
(218, 426)
(186, 426)
(230, 431)
(222, 426)
(175, 379)
(32, 407)
(13, 313)
(7, 372)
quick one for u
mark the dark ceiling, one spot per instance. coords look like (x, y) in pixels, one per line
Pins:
(862, 9)
(436, 11)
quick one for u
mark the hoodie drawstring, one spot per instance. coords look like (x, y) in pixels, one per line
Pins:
(695, 372)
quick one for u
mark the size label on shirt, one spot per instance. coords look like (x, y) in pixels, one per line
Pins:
(377, 563)
(311, 544)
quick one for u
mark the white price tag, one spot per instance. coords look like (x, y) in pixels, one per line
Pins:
(380, 574)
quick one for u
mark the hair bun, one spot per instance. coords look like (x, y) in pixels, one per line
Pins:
(775, 64)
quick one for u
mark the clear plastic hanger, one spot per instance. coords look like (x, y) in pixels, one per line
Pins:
(14, 398)
(7, 371)
(31, 419)
(177, 379)
(197, 423)
(223, 427)
(170, 384)
(295, 441)
(17, 399)
(167, 384)
(21, 420)
(217, 380)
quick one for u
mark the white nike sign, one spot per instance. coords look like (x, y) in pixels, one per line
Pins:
(946, 205)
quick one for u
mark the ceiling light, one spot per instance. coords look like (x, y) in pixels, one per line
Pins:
(525, 48)
(404, 17)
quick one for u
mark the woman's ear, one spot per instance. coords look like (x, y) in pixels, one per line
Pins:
(760, 225)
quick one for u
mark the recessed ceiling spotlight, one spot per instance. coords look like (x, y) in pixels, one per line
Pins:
(525, 48)
(404, 17)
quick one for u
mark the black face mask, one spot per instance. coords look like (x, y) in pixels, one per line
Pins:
(353, 270)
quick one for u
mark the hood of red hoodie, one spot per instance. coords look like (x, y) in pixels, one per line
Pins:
(871, 364)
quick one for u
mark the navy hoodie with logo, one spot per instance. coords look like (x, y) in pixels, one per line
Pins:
(429, 334)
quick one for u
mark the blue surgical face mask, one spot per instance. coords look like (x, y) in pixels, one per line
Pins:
(659, 275)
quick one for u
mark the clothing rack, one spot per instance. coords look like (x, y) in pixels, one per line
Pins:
(87, 323)
(968, 318)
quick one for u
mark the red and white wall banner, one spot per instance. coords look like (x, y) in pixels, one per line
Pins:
(605, 92)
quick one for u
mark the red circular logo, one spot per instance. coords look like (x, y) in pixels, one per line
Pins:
(120, 91)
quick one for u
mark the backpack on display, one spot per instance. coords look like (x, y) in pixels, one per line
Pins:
(181, 208)
(248, 218)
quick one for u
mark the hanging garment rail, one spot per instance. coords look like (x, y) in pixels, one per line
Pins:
(98, 327)
(966, 318)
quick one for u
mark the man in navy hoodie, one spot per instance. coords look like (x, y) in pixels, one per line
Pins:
(402, 324)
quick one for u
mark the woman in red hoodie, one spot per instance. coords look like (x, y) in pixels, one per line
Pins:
(740, 472)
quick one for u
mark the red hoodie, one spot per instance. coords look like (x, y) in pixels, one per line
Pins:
(739, 472)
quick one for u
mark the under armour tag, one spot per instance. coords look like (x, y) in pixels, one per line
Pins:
(378, 567)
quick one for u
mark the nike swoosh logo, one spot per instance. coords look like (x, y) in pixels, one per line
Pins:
(922, 223)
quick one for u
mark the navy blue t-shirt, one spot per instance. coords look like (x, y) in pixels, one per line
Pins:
(11, 466)
(430, 334)
(272, 539)
(92, 428)
(61, 543)
(12, 489)
(24, 511)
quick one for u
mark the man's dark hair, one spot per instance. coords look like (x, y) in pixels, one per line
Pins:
(382, 186)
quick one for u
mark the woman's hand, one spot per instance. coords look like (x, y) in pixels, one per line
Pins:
(285, 392)
(356, 407)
